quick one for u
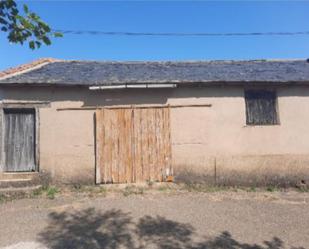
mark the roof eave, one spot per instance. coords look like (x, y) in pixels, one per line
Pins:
(179, 83)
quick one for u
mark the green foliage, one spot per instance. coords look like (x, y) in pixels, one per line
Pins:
(51, 192)
(130, 190)
(37, 192)
(90, 190)
(302, 188)
(2, 198)
(252, 189)
(163, 188)
(272, 188)
(24, 28)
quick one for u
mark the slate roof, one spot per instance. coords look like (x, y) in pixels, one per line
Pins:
(90, 73)
(25, 67)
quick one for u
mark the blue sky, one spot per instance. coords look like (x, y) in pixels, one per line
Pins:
(167, 16)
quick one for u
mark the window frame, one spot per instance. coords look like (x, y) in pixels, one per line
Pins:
(276, 106)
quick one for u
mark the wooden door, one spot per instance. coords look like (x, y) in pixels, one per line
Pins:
(133, 145)
(19, 139)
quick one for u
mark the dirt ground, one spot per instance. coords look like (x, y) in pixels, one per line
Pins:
(160, 219)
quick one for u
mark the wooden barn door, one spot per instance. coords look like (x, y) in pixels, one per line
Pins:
(133, 145)
(19, 140)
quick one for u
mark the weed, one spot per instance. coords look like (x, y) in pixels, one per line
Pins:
(51, 192)
(163, 188)
(10, 196)
(190, 187)
(77, 187)
(2, 198)
(91, 190)
(302, 189)
(102, 190)
(150, 183)
(271, 189)
(140, 190)
(215, 189)
(194, 187)
(252, 189)
(129, 190)
(37, 192)
(235, 189)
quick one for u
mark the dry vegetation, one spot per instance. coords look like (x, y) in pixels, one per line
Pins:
(92, 191)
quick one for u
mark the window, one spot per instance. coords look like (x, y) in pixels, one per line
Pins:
(261, 107)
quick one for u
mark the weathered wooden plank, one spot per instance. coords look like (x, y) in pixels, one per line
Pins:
(129, 148)
(19, 140)
(163, 139)
(133, 107)
(139, 134)
(108, 146)
(114, 142)
(159, 141)
(37, 134)
(135, 144)
(152, 143)
(168, 140)
(133, 147)
(2, 162)
(155, 147)
(145, 144)
(122, 145)
(99, 147)
(25, 104)
(261, 108)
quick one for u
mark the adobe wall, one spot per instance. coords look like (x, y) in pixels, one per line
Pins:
(208, 143)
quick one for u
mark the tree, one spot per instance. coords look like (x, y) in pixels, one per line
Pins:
(24, 28)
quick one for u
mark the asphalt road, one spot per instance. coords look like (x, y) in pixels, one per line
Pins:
(158, 220)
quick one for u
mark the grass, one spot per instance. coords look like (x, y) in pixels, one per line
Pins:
(37, 192)
(195, 187)
(150, 183)
(130, 190)
(252, 189)
(89, 190)
(9, 196)
(163, 188)
(272, 188)
(49, 191)
(302, 189)
(2, 198)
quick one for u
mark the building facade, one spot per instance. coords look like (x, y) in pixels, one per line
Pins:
(231, 123)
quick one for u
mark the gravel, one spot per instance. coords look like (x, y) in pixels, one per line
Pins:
(217, 220)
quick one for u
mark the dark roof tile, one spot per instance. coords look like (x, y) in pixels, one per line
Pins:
(108, 73)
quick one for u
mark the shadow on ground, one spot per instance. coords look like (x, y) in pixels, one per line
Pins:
(115, 229)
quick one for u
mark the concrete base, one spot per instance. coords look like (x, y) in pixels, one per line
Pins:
(249, 170)
(18, 179)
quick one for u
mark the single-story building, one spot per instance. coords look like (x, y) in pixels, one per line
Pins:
(228, 122)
